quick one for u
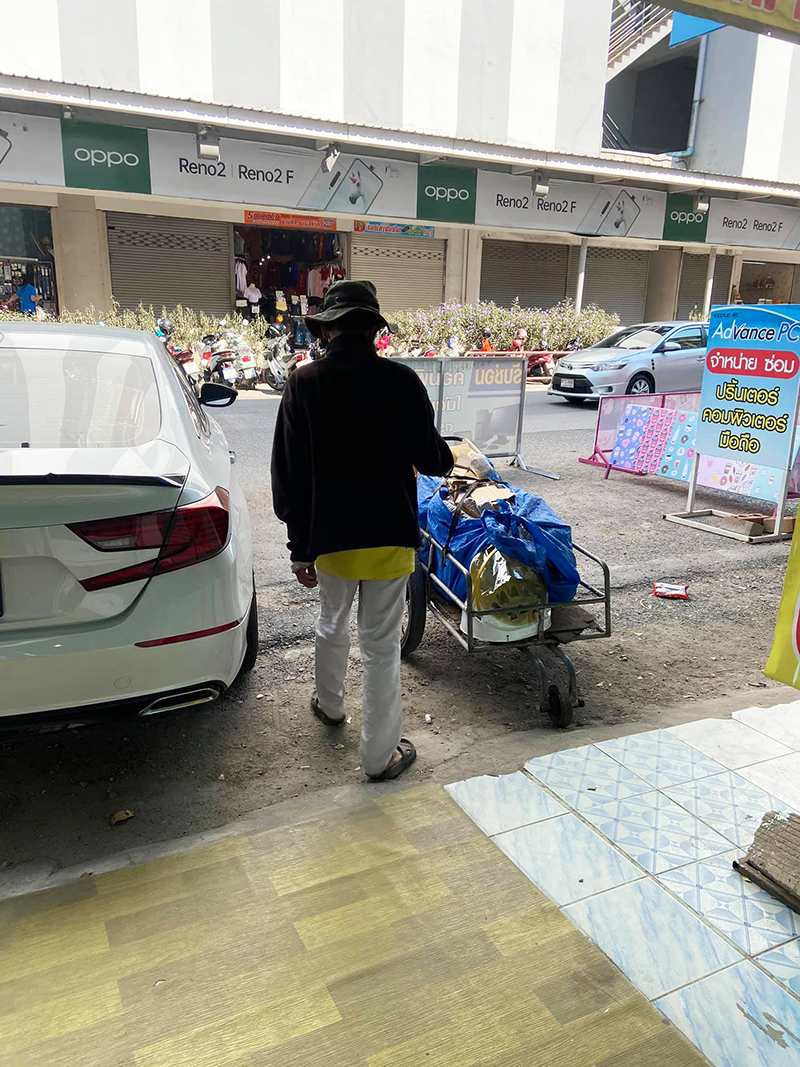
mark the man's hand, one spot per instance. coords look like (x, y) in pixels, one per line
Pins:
(307, 576)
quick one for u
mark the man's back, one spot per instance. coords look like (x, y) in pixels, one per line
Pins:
(351, 430)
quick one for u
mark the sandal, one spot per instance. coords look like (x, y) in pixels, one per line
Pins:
(407, 756)
(317, 710)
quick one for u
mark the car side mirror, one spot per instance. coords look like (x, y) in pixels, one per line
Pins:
(670, 346)
(215, 395)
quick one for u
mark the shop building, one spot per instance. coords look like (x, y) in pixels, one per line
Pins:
(456, 178)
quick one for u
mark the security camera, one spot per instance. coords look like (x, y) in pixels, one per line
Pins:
(329, 160)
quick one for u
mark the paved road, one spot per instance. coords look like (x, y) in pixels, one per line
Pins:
(195, 770)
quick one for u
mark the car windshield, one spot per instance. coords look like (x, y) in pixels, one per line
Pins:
(634, 337)
(67, 399)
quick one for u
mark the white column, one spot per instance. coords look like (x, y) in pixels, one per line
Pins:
(581, 273)
(712, 262)
(472, 274)
(454, 264)
(80, 246)
(736, 273)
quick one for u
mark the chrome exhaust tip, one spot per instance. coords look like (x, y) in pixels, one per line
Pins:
(205, 694)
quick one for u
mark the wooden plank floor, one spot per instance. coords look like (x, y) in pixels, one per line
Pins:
(393, 934)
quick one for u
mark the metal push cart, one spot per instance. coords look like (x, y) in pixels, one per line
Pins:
(569, 622)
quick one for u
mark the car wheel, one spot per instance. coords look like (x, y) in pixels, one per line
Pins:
(251, 647)
(575, 399)
(641, 385)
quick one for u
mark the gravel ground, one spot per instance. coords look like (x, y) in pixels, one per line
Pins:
(195, 770)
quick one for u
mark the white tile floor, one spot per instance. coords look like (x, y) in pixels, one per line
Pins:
(634, 839)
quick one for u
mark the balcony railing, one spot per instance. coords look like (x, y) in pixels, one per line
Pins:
(631, 22)
(613, 137)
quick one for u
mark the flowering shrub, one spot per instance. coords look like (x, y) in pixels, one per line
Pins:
(548, 328)
(189, 325)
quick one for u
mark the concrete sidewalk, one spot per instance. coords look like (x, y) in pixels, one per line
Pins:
(388, 934)
(634, 837)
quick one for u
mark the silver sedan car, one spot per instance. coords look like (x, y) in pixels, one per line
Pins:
(653, 357)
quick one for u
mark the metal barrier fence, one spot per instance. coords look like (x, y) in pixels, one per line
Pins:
(482, 399)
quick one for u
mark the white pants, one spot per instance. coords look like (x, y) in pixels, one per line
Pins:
(380, 617)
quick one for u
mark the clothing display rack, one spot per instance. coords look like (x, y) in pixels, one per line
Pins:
(284, 272)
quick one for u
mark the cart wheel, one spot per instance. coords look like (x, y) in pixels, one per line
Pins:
(559, 707)
(415, 612)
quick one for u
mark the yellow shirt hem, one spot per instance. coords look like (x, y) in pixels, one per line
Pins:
(368, 564)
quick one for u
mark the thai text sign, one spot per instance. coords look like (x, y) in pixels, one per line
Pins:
(480, 398)
(748, 402)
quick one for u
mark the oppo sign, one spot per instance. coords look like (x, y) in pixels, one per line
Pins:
(681, 221)
(98, 157)
(684, 217)
(438, 192)
(447, 194)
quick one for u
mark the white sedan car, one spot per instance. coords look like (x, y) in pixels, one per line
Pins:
(126, 569)
(656, 357)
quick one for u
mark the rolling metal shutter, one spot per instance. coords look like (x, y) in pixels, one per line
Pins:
(616, 280)
(535, 274)
(408, 272)
(164, 262)
(693, 283)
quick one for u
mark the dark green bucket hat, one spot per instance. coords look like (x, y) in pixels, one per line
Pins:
(347, 298)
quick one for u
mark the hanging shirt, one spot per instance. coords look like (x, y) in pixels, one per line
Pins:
(26, 293)
(240, 274)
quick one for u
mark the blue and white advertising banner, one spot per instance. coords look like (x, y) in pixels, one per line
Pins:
(748, 401)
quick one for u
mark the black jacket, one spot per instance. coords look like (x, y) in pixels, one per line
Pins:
(350, 430)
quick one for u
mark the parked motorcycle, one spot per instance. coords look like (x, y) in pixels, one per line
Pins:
(185, 359)
(247, 367)
(280, 359)
(219, 358)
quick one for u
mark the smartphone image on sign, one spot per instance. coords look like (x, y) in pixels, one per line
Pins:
(322, 187)
(792, 239)
(5, 145)
(358, 189)
(346, 188)
(611, 215)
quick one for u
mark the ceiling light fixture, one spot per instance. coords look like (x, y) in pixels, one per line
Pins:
(207, 144)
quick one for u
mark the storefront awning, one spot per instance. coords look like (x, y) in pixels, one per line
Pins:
(779, 18)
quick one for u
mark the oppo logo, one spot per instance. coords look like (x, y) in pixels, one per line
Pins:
(438, 192)
(686, 217)
(97, 157)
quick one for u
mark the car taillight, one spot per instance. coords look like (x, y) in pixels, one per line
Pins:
(191, 534)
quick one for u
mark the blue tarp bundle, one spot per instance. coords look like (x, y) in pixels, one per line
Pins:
(548, 549)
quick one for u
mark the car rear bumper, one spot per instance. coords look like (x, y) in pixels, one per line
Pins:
(60, 672)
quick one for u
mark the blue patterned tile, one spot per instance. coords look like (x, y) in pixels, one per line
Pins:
(738, 1018)
(660, 758)
(727, 802)
(566, 858)
(784, 964)
(504, 802)
(585, 772)
(657, 942)
(654, 831)
(747, 914)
